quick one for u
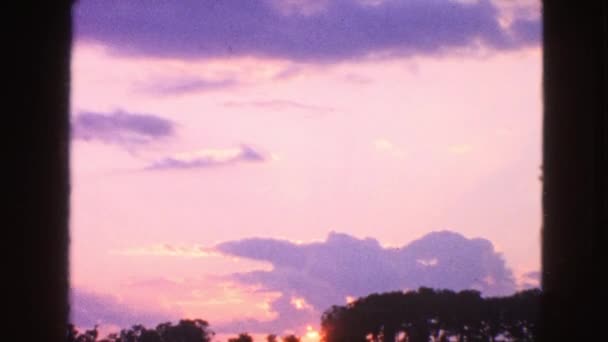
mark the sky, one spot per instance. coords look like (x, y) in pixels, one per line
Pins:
(253, 162)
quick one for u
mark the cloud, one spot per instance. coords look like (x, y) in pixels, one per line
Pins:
(184, 85)
(325, 273)
(533, 275)
(527, 30)
(288, 72)
(303, 30)
(90, 308)
(530, 280)
(169, 250)
(289, 319)
(121, 128)
(209, 158)
(279, 105)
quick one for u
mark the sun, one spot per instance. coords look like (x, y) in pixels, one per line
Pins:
(311, 335)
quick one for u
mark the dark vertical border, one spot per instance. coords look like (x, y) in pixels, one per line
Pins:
(38, 95)
(575, 173)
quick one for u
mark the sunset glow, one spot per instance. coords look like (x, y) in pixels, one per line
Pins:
(311, 335)
(300, 304)
(254, 179)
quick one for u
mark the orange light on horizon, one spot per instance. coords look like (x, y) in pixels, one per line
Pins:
(311, 335)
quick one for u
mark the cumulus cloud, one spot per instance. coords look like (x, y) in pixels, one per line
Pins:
(121, 128)
(325, 273)
(320, 30)
(206, 158)
(89, 309)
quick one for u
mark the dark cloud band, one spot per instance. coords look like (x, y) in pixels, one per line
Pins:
(304, 30)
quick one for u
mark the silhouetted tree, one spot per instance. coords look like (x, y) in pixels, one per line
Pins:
(243, 337)
(72, 333)
(438, 315)
(186, 330)
(271, 338)
(291, 338)
(74, 336)
(150, 336)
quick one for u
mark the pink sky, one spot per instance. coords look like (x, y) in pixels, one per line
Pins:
(390, 148)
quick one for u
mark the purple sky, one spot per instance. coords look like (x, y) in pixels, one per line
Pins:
(252, 163)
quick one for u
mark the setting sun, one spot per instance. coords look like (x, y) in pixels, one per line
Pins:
(311, 335)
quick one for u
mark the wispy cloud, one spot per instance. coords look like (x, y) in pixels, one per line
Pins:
(279, 105)
(303, 30)
(168, 250)
(288, 72)
(121, 127)
(207, 158)
(185, 85)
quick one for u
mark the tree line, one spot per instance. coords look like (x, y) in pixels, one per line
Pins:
(186, 330)
(437, 315)
(415, 316)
